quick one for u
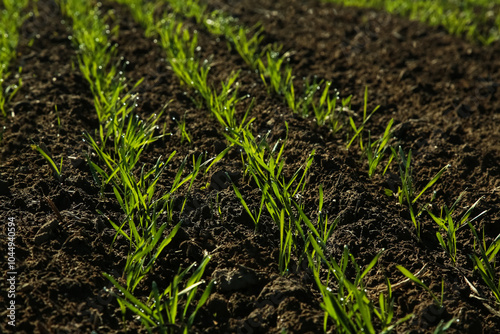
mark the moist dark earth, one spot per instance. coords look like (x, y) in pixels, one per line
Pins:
(442, 92)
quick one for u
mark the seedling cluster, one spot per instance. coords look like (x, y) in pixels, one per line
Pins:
(147, 213)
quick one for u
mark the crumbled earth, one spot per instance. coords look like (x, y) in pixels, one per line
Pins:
(442, 92)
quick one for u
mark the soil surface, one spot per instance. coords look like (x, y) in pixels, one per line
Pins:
(442, 92)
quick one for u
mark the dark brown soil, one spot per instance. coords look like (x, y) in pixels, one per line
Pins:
(442, 91)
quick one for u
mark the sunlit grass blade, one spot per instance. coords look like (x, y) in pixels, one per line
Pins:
(255, 218)
(44, 152)
(138, 307)
(431, 182)
(417, 281)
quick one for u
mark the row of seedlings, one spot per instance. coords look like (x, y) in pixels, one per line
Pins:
(118, 143)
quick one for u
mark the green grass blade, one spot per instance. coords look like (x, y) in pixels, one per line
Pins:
(431, 182)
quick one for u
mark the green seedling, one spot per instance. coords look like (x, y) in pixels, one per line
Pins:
(211, 162)
(293, 239)
(254, 214)
(325, 109)
(163, 311)
(449, 226)
(485, 263)
(217, 22)
(265, 163)
(358, 130)
(10, 91)
(385, 310)
(325, 230)
(248, 48)
(223, 107)
(280, 204)
(183, 130)
(180, 47)
(278, 77)
(130, 132)
(143, 211)
(375, 151)
(130, 137)
(286, 234)
(143, 208)
(304, 104)
(143, 12)
(407, 193)
(45, 153)
(337, 271)
(437, 299)
(147, 249)
(215, 206)
(321, 231)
